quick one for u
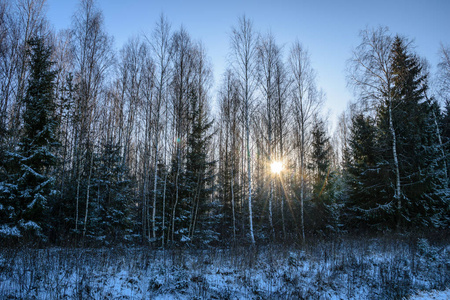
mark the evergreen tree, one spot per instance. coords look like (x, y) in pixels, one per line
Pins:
(323, 209)
(227, 190)
(192, 221)
(8, 195)
(421, 173)
(199, 174)
(63, 207)
(110, 219)
(368, 204)
(177, 212)
(445, 133)
(29, 185)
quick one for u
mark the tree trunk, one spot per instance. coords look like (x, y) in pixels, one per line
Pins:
(232, 201)
(155, 183)
(302, 182)
(176, 194)
(77, 200)
(164, 213)
(441, 146)
(249, 173)
(87, 194)
(397, 195)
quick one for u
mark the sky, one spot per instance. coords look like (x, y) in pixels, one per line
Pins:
(328, 29)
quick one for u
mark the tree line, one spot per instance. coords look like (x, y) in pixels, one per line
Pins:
(102, 147)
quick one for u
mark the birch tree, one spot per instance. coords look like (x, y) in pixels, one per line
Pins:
(268, 59)
(371, 75)
(21, 21)
(160, 45)
(443, 80)
(443, 76)
(282, 116)
(229, 132)
(244, 53)
(305, 103)
(181, 85)
(93, 56)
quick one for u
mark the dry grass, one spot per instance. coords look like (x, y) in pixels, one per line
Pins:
(343, 269)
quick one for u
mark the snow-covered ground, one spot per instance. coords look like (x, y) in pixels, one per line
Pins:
(350, 269)
(438, 295)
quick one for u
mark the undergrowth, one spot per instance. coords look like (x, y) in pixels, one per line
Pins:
(381, 268)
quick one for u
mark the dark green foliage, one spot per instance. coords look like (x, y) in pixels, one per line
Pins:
(84, 193)
(28, 187)
(62, 207)
(445, 134)
(417, 143)
(227, 188)
(371, 174)
(111, 196)
(111, 201)
(199, 174)
(323, 210)
(191, 182)
(368, 203)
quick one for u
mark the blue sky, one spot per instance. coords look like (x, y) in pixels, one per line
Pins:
(328, 29)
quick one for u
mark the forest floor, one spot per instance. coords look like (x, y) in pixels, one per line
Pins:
(427, 295)
(376, 268)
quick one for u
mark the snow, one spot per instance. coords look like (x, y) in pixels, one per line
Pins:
(7, 188)
(327, 270)
(31, 205)
(185, 238)
(438, 295)
(8, 231)
(29, 225)
(31, 171)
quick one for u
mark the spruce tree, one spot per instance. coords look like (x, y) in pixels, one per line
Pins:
(323, 209)
(110, 218)
(199, 174)
(29, 185)
(368, 205)
(62, 208)
(445, 134)
(194, 184)
(417, 144)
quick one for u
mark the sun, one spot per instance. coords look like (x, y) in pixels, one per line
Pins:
(277, 167)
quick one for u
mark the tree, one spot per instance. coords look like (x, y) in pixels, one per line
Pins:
(443, 76)
(445, 137)
(325, 214)
(111, 197)
(367, 205)
(130, 117)
(282, 116)
(181, 86)
(7, 66)
(161, 47)
(92, 55)
(230, 135)
(199, 175)
(29, 194)
(392, 79)
(243, 46)
(268, 60)
(305, 102)
(444, 95)
(371, 74)
(421, 160)
(20, 20)
(29, 22)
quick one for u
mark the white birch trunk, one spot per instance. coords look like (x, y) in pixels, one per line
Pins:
(397, 195)
(87, 194)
